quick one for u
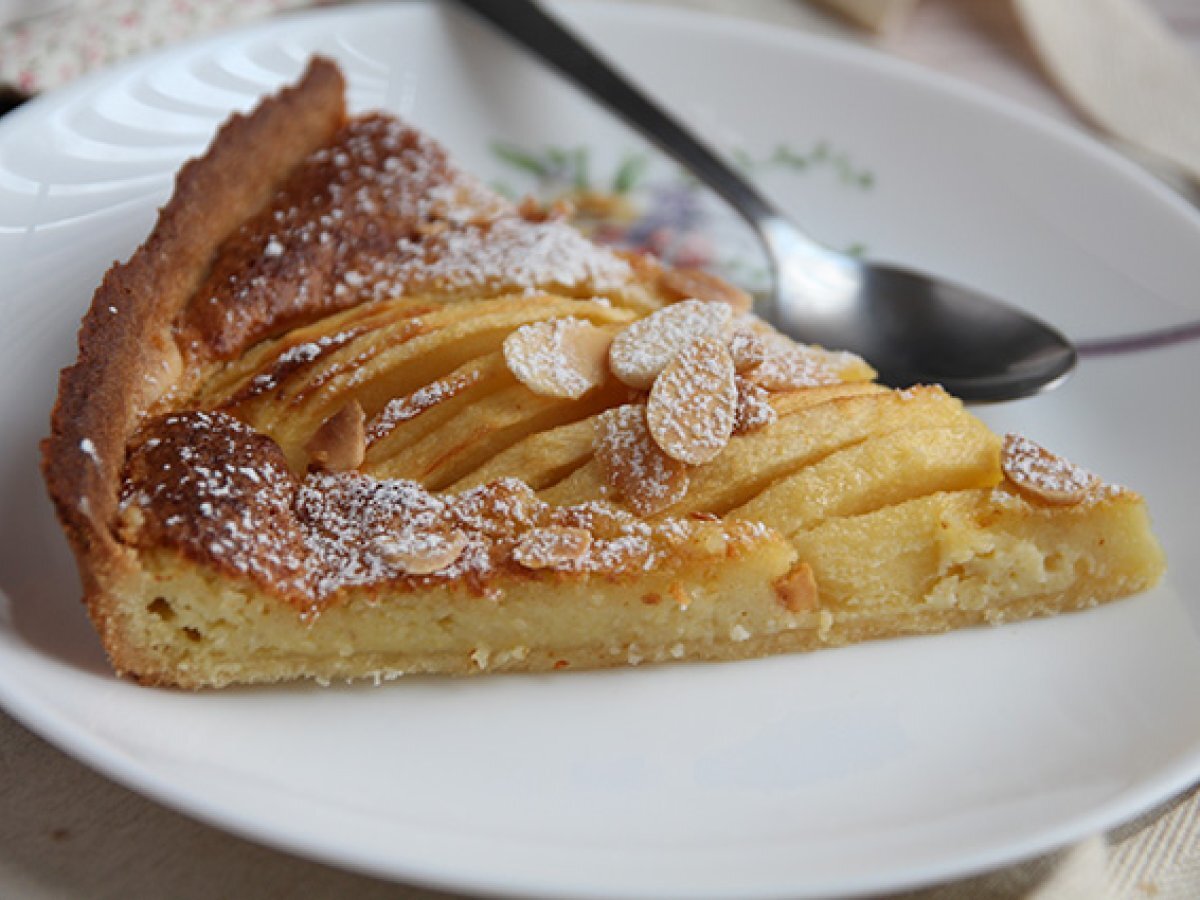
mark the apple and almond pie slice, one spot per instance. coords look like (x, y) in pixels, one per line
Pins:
(348, 413)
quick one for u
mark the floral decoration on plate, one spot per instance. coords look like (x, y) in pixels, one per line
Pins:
(644, 203)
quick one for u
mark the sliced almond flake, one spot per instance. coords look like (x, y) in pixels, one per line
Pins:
(639, 352)
(1044, 476)
(795, 368)
(747, 350)
(552, 547)
(422, 552)
(429, 229)
(130, 521)
(688, 283)
(754, 409)
(797, 590)
(340, 443)
(633, 465)
(693, 404)
(560, 358)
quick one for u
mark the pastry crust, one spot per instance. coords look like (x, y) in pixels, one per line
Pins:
(128, 358)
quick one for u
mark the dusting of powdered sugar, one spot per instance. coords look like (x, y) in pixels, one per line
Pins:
(381, 213)
(213, 487)
(692, 408)
(643, 349)
(402, 409)
(355, 527)
(562, 357)
(754, 409)
(794, 369)
(293, 359)
(1037, 472)
(209, 482)
(509, 253)
(633, 466)
(88, 447)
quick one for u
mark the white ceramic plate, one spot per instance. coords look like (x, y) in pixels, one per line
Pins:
(850, 771)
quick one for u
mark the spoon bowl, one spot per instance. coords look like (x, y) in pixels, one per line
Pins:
(911, 326)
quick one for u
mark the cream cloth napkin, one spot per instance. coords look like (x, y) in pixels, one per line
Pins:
(1124, 70)
(878, 15)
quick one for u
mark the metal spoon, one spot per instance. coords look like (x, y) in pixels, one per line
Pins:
(912, 327)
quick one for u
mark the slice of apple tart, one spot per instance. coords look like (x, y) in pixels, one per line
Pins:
(347, 413)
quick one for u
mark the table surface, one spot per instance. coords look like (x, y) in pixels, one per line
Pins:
(66, 832)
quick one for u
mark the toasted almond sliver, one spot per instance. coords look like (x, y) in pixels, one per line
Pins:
(432, 228)
(533, 210)
(341, 441)
(747, 350)
(797, 590)
(685, 283)
(754, 409)
(130, 521)
(422, 553)
(552, 547)
(559, 358)
(693, 404)
(633, 466)
(639, 352)
(1044, 476)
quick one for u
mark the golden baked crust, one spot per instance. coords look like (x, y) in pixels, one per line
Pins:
(128, 357)
(348, 413)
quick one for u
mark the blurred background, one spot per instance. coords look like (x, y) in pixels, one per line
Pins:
(1128, 71)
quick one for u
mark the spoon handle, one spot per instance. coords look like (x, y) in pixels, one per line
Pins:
(530, 26)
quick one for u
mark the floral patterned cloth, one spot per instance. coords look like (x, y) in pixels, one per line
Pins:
(46, 50)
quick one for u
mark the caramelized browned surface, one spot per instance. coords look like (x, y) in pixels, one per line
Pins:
(208, 485)
(379, 213)
(127, 353)
(315, 248)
